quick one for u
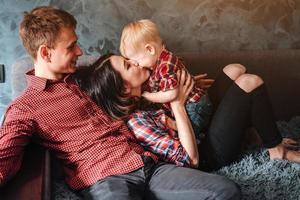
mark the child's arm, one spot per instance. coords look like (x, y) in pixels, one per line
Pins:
(161, 96)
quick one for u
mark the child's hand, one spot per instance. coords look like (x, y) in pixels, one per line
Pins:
(203, 82)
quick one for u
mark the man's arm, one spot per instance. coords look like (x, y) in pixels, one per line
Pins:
(14, 136)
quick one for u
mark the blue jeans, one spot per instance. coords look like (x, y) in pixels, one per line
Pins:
(200, 114)
(165, 182)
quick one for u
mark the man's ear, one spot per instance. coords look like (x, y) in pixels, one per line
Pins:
(150, 48)
(45, 53)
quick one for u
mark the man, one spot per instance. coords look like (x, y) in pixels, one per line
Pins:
(101, 158)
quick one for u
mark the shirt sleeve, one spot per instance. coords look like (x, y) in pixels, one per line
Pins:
(168, 76)
(156, 139)
(14, 135)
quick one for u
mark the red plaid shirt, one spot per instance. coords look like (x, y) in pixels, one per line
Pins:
(59, 116)
(150, 129)
(164, 76)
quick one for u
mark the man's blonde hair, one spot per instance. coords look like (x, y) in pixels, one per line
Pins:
(42, 26)
(138, 33)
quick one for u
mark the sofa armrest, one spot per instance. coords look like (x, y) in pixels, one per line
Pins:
(33, 179)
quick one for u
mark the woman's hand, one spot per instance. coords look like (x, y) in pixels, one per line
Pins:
(186, 84)
(202, 81)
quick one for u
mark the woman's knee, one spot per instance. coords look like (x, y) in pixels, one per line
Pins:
(233, 71)
(249, 82)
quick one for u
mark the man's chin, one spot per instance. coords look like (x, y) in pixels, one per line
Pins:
(72, 70)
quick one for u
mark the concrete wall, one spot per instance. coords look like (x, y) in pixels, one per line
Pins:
(186, 25)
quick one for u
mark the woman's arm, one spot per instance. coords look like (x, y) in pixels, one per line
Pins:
(184, 126)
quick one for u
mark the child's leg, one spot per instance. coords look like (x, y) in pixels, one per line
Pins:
(200, 113)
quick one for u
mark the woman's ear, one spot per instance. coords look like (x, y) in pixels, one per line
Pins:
(127, 88)
(44, 53)
(150, 49)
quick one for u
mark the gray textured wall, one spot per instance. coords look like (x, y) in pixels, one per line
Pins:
(186, 25)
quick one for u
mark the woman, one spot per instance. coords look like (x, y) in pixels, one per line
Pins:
(240, 101)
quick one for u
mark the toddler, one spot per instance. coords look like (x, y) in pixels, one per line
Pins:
(141, 43)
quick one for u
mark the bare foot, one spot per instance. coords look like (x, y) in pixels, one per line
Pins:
(289, 141)
(280, 152)
(290, 144)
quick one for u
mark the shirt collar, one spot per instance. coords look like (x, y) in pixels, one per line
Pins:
(40, 83)
(164, 53)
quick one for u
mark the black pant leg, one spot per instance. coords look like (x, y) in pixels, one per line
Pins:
(226, 131)
(218, 89)
(263, 118)
(237, 111)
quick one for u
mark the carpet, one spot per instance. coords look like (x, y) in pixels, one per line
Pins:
(258, 177)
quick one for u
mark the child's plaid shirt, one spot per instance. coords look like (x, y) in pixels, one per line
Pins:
(164, 76)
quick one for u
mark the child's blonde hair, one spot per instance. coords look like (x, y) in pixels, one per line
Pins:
(138, 33)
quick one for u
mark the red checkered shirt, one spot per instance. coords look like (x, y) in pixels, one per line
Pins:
(164, 76)
(59, 116)
(150, 129)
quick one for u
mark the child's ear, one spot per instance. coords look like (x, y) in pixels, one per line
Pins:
(150, 49)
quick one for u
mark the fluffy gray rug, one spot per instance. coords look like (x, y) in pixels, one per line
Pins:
(258, 177)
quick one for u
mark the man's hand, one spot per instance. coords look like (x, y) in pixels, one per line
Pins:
(202, 81)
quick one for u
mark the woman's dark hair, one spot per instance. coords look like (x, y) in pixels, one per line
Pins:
(106, 87)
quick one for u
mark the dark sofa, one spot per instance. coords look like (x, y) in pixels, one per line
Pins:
(279, 68)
